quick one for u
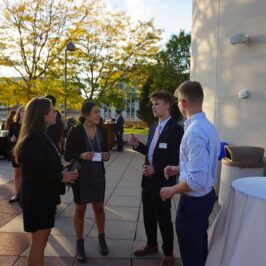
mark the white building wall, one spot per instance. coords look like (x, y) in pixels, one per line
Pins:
(224, 69)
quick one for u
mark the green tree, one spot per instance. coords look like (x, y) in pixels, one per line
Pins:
(33, 33)
(171, 69)
(144, 112)
(109, 46)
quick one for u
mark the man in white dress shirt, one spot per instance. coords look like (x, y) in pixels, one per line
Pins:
(199, 151)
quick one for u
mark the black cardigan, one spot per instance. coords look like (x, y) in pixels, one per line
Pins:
(76, 143)
(41, 173)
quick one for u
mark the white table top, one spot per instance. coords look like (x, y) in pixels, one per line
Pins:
(251, 186)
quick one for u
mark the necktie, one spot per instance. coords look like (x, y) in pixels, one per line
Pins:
(155, 139)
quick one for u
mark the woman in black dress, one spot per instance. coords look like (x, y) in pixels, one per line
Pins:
(86, 143)
(41, 176)
(13, 134)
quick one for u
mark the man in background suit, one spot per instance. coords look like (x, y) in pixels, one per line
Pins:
(161, 149)
(119, 129)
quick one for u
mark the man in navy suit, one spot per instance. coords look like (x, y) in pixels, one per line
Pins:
(161, 149)
(119, 130)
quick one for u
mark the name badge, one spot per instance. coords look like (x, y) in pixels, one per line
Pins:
(162, 145)
(97, 157)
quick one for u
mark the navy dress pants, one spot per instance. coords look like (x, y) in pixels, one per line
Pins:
(119, 141)
(191, 228)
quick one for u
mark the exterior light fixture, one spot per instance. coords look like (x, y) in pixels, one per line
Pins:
(239, 38)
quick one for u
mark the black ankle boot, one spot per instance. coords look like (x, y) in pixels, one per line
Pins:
(81, 256)
(102, 245)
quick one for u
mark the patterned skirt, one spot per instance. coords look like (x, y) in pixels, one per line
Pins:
(90, 186)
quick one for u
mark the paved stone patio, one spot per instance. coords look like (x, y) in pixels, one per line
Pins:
(124, 221)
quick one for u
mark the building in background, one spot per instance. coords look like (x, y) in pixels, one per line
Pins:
(130, 112)
(229, 59)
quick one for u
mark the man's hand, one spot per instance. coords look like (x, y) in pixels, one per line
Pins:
(166, 193)
(148, 170)
(134, 140)
(170, 170)
(13, 139)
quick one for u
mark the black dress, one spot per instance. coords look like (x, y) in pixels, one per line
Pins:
(14, 130)
(90, 186)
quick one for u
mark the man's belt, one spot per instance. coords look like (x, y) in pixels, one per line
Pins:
(189, 196)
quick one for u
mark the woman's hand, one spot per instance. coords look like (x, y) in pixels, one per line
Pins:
(69, 177)
(13, 138)
(105, 156)
(86, 155)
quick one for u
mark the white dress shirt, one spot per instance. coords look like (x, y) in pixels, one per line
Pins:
(162, 125)
(199, 151)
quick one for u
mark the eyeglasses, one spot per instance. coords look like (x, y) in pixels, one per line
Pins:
(181, 100)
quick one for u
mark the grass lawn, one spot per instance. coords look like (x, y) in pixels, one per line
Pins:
(135, 131)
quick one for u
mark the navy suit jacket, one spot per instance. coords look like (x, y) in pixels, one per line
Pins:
(163, 155)
(119, 124)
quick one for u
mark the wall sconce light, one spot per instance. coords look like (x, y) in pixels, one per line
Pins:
(243, 94)
(239, 38)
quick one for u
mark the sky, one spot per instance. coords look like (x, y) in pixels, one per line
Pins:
(169, 15)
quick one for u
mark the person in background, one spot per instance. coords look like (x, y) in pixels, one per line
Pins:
(7, 127)
(162, 149)
(42, 176)
(56, 132)
(199, 151)
(10, 119)
(86, 143)
(13, 135)
(119, 130)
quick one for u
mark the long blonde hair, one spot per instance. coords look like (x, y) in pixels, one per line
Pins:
(18, 115)
(33, 121)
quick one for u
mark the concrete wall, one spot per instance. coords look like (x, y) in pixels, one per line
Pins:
(224, 69)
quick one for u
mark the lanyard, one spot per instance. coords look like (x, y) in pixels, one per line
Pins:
(52, 143)
(90, 140)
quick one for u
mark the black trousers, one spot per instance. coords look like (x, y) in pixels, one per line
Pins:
(119, 140)
(191, 228)
(157, 211)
